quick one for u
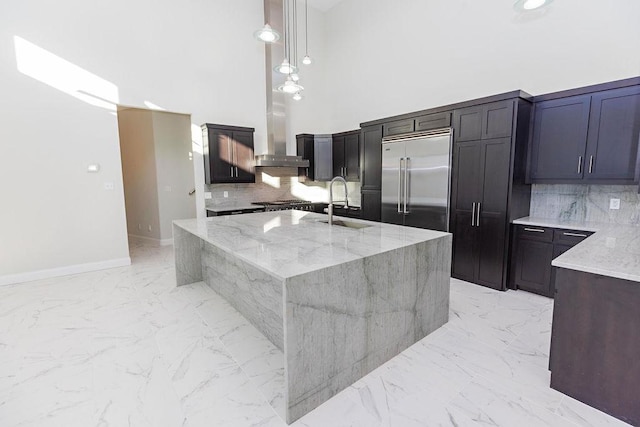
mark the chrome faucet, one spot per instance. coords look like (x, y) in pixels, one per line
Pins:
(346, 196)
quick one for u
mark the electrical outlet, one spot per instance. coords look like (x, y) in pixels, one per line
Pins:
(167, 188)
(108, 186)
(225, 194)
(207, 195)
(614, 203)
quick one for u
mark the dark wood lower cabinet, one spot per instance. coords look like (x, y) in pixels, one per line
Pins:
(595, 350)
(371, 204)
(533, 250)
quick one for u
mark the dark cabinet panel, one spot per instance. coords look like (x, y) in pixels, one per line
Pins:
(338, 156)
(467, 124)
(228, 154)
(305, 149)
(433, 121)
(346, 155)
(559, 134)
(371, 157)
(398, 127)
(465, 261)
(497, 120)
(371, 204)
(352, 156)
(533, 266)
(243, 155)
(465, 188)
(614, 131)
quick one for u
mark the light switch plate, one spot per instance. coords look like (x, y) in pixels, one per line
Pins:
(225, 194)
(614, 203)
(207, 195)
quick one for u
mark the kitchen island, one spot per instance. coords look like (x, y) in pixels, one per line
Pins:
(596, 321)
(337, 300)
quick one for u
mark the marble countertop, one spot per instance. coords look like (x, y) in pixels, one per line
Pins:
(232, 206)
(289, 243)
(614, 250)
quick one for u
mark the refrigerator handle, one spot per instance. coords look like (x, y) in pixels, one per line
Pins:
(406, 184)
(473, 215)
(399, 183)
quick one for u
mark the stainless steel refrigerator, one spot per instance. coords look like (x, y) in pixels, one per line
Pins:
(416, 171)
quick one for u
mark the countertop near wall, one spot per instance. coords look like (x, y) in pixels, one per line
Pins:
(614, 249)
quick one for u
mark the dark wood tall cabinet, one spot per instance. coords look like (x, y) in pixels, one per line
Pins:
(371, 171)
(305, 149)
(228, 154)
(488, 189)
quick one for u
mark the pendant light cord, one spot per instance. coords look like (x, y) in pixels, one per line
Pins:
(306, 29)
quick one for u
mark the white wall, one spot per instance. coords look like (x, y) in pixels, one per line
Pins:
(196, 57)
(406, 55)
(174, 170)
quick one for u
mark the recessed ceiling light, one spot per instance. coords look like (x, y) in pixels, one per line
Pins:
(528, 5)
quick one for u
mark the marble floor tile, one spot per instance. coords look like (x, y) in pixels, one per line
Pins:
(125, 347)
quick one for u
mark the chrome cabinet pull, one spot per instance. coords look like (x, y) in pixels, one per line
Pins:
(406, 183)
(579, 164)
(536, 230)
(478, 215)
(232, 171)
(574, 234)
(236, 171)
(473, 215)
(399, 183)
(590, 164)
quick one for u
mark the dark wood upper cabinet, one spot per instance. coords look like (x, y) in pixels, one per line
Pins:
(432, 121)
(494, 120)
(467, 124)
(346, 155)
(338, 156)
(614, 131)
(352, 156)
(559, 135)
(228, 154)
(397, 127)
(588, 138)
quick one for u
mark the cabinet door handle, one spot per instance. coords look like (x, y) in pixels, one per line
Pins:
(231, 171)
(574, 234)
(478, 215)
(579, 164)
(590, 164)
(236, 171)
(473, 215)
(406, 183)
(536, 230)
(399, 184)
(236, 212)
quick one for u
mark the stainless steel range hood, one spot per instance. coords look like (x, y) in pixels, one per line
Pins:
(276, 102)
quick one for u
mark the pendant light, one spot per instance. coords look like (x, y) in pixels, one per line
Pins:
(307, 59)
(297, 96)
(267, 34)
(290, 86)
(530, 5)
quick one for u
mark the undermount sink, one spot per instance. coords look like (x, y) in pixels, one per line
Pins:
(347, 224)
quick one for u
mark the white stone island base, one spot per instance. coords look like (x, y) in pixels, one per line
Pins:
(338, 302)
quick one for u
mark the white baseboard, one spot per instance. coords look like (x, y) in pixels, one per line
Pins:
(160, 242)
(63, 271)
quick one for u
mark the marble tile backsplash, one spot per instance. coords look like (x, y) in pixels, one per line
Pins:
(586, 203)
(279, 184)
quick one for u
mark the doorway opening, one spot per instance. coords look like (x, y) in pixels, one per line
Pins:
(157, 172)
